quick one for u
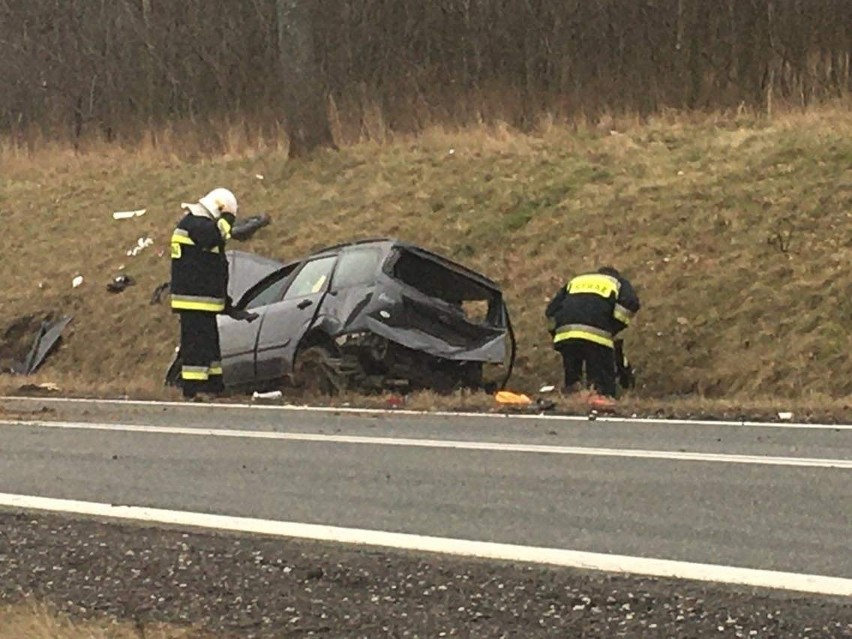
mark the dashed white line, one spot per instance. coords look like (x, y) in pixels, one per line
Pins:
(726, 458)
(818, 584)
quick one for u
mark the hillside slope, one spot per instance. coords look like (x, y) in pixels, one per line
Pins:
(738, 235)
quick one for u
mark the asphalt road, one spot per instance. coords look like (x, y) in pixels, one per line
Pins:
(712, 508)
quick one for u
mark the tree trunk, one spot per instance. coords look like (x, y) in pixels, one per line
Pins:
(304, 94)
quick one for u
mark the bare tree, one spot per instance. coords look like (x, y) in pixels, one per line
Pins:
(304, 94)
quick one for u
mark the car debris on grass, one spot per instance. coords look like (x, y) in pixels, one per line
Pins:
(120, 283)
(29, 341)
(126, 215)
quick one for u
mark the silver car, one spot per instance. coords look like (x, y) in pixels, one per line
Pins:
(366, 315)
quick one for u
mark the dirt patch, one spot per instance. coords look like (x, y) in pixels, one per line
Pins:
(17, 338)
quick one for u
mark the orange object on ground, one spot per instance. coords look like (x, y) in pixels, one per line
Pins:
(601, 402)
(515, 399)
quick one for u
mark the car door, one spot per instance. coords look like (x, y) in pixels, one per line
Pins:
(238, 339)
(286, 321)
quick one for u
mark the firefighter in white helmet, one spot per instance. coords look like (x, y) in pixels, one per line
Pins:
(199, 288)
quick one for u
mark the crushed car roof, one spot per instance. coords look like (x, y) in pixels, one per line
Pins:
(389, 242)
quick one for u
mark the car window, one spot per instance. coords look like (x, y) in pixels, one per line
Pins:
(312, 278)
(269, 295)
(357, 267)
(273, 291)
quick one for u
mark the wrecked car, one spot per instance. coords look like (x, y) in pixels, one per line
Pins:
(368, 315)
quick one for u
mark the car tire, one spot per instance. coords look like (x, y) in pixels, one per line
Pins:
(317, 371)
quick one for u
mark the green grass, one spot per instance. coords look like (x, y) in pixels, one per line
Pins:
(738, 236)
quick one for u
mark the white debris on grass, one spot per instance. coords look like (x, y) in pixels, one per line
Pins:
(126, 215)
(269, 395)
(141, 244)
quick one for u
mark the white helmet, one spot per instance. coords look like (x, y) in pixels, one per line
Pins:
(213, 204)
(219, 201)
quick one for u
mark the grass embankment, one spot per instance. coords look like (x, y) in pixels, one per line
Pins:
(31, 621)
(738, 235)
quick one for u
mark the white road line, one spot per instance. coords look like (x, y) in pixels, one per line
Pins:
(460, 547)
(331, 410)
(807, 462)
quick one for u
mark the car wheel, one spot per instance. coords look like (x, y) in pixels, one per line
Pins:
(317, 371)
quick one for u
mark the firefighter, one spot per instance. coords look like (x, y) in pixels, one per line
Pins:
(584, 318)
(199, 288)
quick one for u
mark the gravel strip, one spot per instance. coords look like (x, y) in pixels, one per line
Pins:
(245, 586)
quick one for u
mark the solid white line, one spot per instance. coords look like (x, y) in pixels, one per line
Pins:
(333, 410)
(460, 547)
(807, 462)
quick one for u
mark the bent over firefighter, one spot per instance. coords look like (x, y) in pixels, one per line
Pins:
(584, 317)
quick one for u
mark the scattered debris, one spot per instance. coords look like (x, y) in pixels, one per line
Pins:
(126, 215)
(547, 389)
(77, 281)
(119, 283)
(141, 244)
(599, 402)
(512, 399)
(543, 405)
(47, 336)
(395, 401)
(258, 176)
(785, 416)
(244, 229)
(159, 292)
(44, 386)
(269, 395)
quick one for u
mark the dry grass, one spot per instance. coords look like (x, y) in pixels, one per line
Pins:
(736, 231)
(33, 621)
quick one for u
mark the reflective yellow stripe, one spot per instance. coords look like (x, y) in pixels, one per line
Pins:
(182, 239)
(622, 314)
(581, 331)
(224, 228)
(193, 303)
(194, 373)
(590, 337)
(215, 370)
(594, 283)
(179, 236)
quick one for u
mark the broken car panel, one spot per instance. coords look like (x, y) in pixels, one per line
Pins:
(378, 313)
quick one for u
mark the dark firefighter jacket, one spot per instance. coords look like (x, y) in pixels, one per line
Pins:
(199, 265)
(593, 307)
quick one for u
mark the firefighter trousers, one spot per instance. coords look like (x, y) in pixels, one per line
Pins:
(599, 363)
(201, 357)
